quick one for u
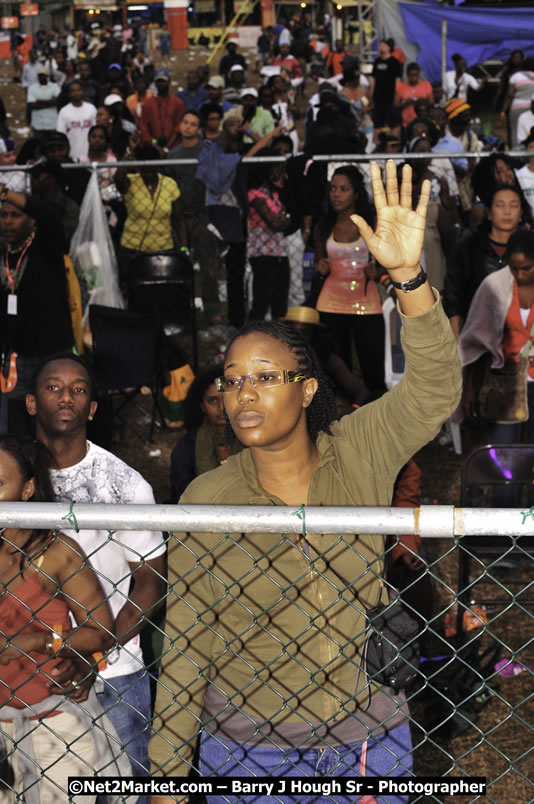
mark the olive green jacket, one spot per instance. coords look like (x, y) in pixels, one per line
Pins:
(274, 629)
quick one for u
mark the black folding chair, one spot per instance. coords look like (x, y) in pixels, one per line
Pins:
(500, 476)
(164, 284)
(126, 355)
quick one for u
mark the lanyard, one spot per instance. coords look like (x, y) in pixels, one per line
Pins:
(11, 277)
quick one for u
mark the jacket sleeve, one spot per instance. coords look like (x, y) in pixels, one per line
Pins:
(458, 268)
(183, 464)
(484, 326)
(190, 631)
(388, 432)
(407, 494)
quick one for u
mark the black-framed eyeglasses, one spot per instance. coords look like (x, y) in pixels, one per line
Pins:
(263, 379)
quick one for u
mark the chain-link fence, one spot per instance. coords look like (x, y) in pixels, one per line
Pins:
(266, 621)
(160, 207)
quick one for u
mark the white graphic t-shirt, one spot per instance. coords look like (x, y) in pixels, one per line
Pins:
(75, 122)
(103, 478)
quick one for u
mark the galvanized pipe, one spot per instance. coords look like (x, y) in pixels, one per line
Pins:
(429, 521)
(402, 157)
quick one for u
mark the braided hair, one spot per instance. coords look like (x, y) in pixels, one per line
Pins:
(322, 409)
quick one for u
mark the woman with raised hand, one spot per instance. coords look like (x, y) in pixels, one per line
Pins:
(264, 633)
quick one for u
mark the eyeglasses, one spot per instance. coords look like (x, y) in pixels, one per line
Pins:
(264, 379)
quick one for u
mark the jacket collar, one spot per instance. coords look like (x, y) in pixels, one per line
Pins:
(256, 494)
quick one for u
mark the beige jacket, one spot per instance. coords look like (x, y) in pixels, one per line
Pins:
(272, 628)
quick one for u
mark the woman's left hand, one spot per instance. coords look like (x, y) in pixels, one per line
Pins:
(400, 230)
(5, 656)
(24, 644)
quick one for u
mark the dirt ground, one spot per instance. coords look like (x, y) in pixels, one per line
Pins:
(498, 745)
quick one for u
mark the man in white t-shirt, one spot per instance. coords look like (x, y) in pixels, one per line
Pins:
(75, 119)
(63, 403)
(41, 101)
(525, 123)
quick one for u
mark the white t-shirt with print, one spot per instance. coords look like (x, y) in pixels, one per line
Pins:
(103, 478)
(75, 122)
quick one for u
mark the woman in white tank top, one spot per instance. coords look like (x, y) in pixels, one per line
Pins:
(349, 302)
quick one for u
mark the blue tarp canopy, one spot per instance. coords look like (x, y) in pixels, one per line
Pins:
(477, 33)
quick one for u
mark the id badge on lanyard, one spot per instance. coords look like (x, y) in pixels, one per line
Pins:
(12, 276)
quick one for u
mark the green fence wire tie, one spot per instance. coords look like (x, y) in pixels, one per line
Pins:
(526, 514)
(301, 513)
(71, 518)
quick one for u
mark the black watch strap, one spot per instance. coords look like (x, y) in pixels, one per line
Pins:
(411, 284)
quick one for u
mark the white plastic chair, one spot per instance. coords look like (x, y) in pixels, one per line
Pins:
(392, 353)
(389, 311)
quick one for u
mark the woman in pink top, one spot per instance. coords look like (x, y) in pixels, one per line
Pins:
(349, 303)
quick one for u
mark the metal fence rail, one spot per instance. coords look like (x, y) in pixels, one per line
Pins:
(227, 278)
(259, 160)
(465, 717)
(428, 521)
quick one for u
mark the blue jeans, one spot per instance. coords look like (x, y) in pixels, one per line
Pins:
(387, 755)
(126, 701)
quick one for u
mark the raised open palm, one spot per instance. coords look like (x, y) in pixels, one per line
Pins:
(398, 239)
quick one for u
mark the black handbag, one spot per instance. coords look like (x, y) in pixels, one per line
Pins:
(500, 395)
(503, 395)
(391, 648)
(390, 653)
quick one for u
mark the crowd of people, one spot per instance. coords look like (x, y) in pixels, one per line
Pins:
(273, 435)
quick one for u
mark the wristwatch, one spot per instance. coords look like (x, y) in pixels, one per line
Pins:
(411, 284)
